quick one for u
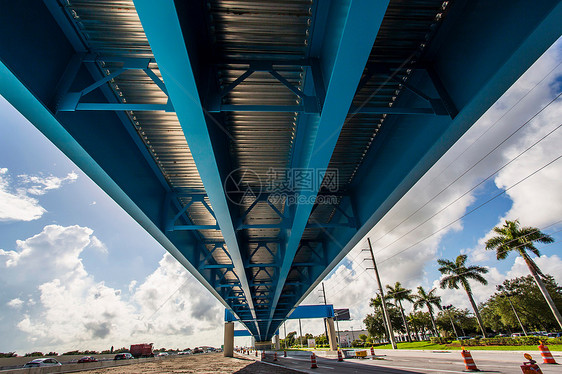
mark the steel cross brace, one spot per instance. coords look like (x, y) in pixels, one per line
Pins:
(200, 198)
(309, 104)
(438, 106)
(71, 101)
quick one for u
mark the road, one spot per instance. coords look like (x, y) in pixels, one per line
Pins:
(430, 362)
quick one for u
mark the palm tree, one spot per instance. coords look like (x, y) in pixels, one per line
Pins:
(399, 293)
(512, 237)
(427, 299)
(456, 273)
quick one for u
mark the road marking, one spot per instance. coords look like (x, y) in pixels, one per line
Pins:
(415, 368)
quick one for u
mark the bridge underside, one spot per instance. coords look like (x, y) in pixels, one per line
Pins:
(259, 142)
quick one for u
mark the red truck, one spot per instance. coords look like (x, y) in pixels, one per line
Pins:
(142, 350)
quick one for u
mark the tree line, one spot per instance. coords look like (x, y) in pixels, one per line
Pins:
(533, 301)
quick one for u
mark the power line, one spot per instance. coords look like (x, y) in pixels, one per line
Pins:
(411, 278)
(474, 165)
(468, 191)
(474, 209)
(350, 276)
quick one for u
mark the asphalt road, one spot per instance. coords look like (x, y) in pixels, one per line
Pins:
(430, 362)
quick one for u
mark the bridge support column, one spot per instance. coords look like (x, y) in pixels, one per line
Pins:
(276, 342)
(332, 334)
(229, 339)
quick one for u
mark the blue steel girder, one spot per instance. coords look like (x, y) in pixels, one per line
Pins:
(480, 49)
(343, 67)
(161, 25)
(123, 143)
(25, 101)
(70, 101)
(508, 47)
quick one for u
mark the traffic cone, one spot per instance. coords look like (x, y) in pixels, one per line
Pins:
(274, 356)
(313, 361)
(372, 353)
(546, 355)
(340, 356)
(256, 353)
(468, 361)
(284, 353)
(263, 355)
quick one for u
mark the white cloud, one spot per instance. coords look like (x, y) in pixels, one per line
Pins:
(97, 244)
(132, 285)
(16, 204)
(548, 264)
(537, 201)
(15, 303)
(39, 185)
(68, 309)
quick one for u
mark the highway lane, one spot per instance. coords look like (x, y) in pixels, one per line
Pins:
(429, 362)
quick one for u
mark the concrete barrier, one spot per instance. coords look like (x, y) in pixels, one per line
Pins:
(73, 368)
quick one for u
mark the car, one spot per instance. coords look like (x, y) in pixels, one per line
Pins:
(554, 335)
(123, 356)
(42, 362)
(516, 335)
(85, 359)
(161, 354)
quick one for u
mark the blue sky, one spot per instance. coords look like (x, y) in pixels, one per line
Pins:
(79, 273)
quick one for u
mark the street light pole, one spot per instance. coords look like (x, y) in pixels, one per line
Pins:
(338, 327)
(325, 303)
(507, 295)
(300, 328)
(447, 308)
(285, 328)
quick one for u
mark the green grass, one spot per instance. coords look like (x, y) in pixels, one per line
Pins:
(456, 346)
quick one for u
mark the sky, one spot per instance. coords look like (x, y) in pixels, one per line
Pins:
(78, 273)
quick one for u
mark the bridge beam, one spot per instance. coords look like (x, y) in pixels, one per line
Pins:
(378, 187)
(163, 30)
(342, 67)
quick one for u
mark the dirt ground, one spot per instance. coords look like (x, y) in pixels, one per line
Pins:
(214, 363)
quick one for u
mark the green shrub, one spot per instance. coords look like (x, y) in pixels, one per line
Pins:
(34, 354)
(523, 340)
(439, 340)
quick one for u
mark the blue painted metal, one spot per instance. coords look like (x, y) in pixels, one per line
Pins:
(241, 333)
(343, 65)
(229, 316)
(445, 85)
(312, 311)
(29, 106)
(379, 190)
(300, 312)
(162, 28)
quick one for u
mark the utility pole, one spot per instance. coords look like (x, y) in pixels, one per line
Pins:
(385, 311)
(325, 303)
